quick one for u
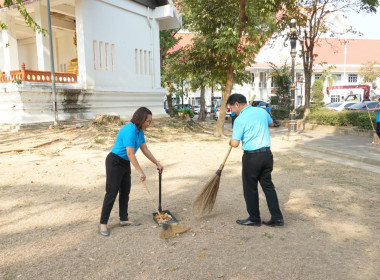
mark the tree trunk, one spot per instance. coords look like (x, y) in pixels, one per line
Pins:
(170, 100)
(307, 92)
(219, 129)
(202, 110)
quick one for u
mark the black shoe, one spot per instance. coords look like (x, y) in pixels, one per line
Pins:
(248, 222)
(274, 222)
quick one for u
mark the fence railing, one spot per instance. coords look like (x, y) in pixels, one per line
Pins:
(24, 75)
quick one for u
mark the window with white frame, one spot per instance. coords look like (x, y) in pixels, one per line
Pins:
(352, 78)
(335, 98)
(263, 80)
(338, 77)
(317, 76)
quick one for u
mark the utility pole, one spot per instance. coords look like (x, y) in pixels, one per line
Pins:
(52, 66)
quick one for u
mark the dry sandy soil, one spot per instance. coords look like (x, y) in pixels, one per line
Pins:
(52, 186)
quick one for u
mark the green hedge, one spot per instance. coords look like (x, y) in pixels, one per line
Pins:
(282, 113)
(325, 116)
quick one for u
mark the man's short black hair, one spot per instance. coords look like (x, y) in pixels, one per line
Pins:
(236, 97)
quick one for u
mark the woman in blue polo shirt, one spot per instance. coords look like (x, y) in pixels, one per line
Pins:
(118, 167)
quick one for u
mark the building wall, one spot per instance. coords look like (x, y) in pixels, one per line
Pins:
(119, 54)
(66, 50)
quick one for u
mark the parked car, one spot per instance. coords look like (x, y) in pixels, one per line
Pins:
(339, 106)
(362, 106)
(228, 112)
(196, 109)
(260, 103)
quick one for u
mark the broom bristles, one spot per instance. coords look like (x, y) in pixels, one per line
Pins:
(172, 230)
(204, 202)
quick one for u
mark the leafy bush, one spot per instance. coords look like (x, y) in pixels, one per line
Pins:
(317, 91)
(274, 100)
(281, 77)
(282, 113)
(187, 112)
(325, 116)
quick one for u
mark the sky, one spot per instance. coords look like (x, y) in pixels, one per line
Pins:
(368, 24)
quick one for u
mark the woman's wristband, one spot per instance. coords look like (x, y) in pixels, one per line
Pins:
(157, 162)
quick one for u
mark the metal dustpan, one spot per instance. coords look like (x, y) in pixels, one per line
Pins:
(166, 214)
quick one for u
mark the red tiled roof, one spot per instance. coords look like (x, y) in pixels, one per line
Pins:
(184, 40)
(330, 51)
(358, 51)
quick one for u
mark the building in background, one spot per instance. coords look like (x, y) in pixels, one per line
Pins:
(106, 56)
(344, 56)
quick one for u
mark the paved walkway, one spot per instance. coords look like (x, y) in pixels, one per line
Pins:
(352, 150)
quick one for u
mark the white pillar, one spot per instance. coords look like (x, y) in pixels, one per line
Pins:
(42, 42)
(156, 54)
(268, 89)
(10, 47)
(82, 48)
(257, 81)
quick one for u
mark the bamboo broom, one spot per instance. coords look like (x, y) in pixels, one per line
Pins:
(204, 202)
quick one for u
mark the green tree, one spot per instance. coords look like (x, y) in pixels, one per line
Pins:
(328, 76)
(369, 73)
(282, 80)
(229, 34)
(312, 22)
(22, 10)
(317, 92)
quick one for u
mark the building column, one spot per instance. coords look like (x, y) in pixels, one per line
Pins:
(257, 81)
(85, 50)
(42, 42)
(9, 44)
(268, 89)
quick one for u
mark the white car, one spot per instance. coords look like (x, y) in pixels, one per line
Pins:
(340, 106)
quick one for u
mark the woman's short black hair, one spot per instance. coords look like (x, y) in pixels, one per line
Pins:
(139, 117)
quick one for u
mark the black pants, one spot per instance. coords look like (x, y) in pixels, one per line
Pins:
(378, 128)
(118, 180)
(257, 167)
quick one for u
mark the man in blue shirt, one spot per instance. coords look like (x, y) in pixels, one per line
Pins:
(377, 117)
(251, 127)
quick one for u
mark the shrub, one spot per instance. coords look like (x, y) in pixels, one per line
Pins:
(317, 91)
(324, 116)
(187, 112)
(281, 113)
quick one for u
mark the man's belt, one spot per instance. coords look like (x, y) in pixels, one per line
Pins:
(266, 149)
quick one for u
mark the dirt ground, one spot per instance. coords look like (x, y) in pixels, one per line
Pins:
(52, 186)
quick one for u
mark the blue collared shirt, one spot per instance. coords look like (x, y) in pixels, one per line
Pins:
(128, 136)
(251, 128)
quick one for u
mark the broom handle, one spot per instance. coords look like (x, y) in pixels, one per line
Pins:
(154, 204)
(370, 118)
(225, 158)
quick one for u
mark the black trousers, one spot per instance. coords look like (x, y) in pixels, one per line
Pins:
(118, 180)
(257, 167)
(378, 128)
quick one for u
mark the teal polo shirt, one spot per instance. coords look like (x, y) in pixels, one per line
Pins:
(251, 128)
(128, 136)
(378, 115)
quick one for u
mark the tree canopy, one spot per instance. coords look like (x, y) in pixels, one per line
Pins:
(313, 22)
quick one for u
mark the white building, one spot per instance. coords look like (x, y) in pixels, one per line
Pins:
(106, 57)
